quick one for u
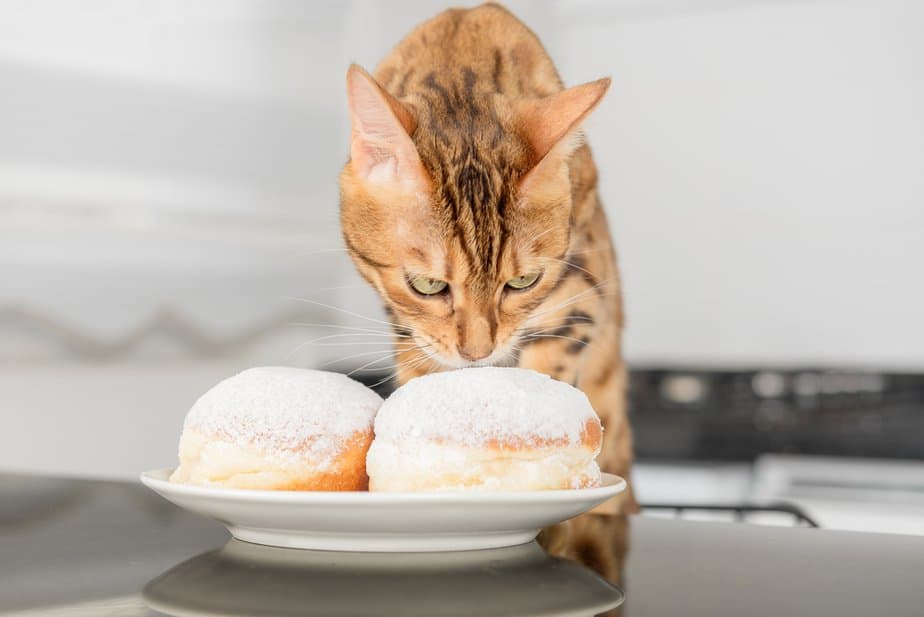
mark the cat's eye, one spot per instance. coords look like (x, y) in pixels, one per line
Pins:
(428, 286)
(524, 281)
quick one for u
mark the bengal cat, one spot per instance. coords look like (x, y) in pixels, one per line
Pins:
(470, 204)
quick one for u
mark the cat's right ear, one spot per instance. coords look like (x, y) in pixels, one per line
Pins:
(551, 126)
(381, 149)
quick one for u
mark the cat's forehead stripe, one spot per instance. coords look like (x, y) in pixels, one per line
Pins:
(471, 171)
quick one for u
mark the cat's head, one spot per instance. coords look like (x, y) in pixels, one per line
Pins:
(456, 207)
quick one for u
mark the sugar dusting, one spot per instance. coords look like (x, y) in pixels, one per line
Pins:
(476, 405)
(288, 412)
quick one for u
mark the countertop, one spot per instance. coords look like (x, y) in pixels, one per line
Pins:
(85, 547)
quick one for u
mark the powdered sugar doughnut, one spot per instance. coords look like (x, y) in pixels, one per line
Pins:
(280, 428)
(486, 429)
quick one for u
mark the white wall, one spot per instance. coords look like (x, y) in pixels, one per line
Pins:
(760, 161)
(762, 165)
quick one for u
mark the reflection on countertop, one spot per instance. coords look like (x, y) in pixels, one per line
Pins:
(244, 579)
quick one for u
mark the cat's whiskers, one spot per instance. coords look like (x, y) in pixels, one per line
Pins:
(344, 311)
(350, 328)
(341, 249)
(388, 377)
(567, 321)
(529, 333)
(572, 265)
(384, 350)
(422, 356)
(539, 235)
(360, 332)
(382, 344)
(372, 363)
(342, 287)
(575, 298)
(382, 353)
(410, 365)
(557, 336)
(587, 251)
(380, 335)
(539, 316)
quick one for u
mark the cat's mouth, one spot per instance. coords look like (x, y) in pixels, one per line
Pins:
(503, 355)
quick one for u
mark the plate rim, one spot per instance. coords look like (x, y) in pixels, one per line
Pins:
(156, 480)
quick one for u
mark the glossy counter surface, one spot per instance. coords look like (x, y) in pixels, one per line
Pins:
(82, 547)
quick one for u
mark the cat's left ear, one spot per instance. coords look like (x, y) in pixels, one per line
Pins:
(551, 126)
(381, 149)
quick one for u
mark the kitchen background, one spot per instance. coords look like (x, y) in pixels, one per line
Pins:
(168, 216)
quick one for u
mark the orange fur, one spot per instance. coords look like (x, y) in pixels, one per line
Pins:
(467, 166)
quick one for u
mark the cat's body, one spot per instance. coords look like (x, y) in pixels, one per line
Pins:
(468, 171)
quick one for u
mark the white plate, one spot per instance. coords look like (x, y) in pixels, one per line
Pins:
(383, 522)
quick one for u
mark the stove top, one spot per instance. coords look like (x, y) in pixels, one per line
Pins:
(740, 415)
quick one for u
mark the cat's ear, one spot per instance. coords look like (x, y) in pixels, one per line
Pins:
(551, 125)
(381, 149)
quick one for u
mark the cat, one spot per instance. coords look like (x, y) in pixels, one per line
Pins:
(470, 204)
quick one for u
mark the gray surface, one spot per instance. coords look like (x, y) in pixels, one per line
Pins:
(78, 541)
(79, 547)
(693, 568)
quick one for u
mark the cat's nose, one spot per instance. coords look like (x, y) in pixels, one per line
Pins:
(475, 336)
(473, 353)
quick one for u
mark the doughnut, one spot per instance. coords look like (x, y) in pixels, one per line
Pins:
(279, 428)
(487, 428)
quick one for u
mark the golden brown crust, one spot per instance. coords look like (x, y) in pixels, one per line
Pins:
(247, 466)
(348, 472)
(591, 438)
